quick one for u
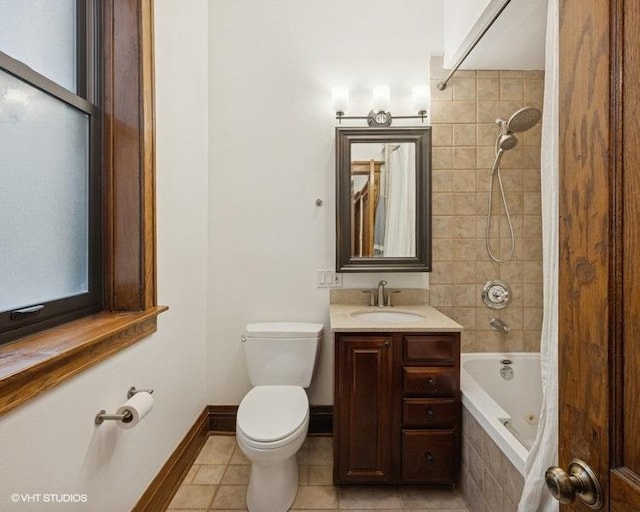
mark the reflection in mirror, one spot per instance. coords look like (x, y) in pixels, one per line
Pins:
(383, 199)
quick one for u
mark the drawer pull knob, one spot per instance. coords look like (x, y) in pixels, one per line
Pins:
(430, 412)
(428, 457)
(387, 344)
(431, 381)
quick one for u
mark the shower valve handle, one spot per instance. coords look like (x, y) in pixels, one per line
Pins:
(499, 294)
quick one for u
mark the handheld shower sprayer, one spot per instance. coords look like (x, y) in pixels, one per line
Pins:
(522, 120)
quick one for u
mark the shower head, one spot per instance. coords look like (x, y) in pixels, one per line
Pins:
(506, 142)
(523, 119)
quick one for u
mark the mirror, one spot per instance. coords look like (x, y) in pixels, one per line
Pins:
(383, 199)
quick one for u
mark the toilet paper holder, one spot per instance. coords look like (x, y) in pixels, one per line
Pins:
(126, 416)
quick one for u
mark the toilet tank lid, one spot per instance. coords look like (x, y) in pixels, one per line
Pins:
(284, 330)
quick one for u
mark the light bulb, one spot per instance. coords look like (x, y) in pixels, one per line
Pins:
(420, 98)
(381, 101)
(340, 99)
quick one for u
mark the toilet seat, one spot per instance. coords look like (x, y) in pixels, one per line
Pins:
(272, 416)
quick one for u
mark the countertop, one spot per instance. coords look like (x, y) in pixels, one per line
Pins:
(342, 319)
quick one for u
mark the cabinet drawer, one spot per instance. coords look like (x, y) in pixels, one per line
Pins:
(430, 348)
(430, 382)
(430, 412)
(430, 456)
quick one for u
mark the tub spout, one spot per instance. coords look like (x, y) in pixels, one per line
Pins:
(499, 325)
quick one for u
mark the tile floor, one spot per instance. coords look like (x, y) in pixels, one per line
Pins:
(218, 481)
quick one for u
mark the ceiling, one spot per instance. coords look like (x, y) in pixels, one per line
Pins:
(515, 41)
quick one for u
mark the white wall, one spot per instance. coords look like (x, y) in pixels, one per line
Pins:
(272, 65)
(51, 445)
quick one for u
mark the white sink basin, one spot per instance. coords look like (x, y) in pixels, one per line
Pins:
(388, 317)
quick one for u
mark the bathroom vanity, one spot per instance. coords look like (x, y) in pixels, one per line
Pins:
(396, 395)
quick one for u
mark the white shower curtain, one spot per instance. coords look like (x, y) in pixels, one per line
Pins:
(544, 453)
(399, 238)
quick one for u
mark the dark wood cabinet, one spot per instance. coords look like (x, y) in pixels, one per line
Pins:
(366, 369)
(397, 408)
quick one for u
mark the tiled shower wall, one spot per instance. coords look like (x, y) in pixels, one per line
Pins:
(464, 133)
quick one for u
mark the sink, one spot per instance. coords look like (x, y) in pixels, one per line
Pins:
(391, 317)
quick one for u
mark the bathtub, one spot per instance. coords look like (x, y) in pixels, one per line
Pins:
(507, 410)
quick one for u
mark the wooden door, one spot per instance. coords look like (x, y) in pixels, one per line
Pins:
(363, 399)
(599, 285)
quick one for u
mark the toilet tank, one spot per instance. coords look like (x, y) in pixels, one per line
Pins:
(282, 353)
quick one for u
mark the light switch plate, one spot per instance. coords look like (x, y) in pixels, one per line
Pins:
(329, 279)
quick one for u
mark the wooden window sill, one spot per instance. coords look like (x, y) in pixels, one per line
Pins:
(37, 363)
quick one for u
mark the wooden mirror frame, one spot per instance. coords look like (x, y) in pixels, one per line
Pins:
(421, 137)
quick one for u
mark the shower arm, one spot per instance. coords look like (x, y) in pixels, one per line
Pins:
(443, 85)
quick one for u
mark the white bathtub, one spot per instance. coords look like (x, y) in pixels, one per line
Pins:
(508, 410)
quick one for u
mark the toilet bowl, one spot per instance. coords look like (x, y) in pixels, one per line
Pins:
(272, 424)
(273, 417)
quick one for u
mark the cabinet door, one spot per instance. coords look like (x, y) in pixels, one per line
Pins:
(363, 408)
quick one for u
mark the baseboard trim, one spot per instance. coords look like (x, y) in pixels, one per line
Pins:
(223, 419)
(321, 420)
(163, 487)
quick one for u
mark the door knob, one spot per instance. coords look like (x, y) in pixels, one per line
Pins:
(578, 481)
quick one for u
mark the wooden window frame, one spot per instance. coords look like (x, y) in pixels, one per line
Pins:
(39, 362)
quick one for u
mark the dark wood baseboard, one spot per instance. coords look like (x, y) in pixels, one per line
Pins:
(222, 419)
(321, 420)
(163, 487)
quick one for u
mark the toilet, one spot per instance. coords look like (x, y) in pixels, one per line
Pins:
(273, 417)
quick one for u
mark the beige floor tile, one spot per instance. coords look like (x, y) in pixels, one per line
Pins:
(238, 457)
(193, 497)
(316, 497)
(303, 475)
(209, 474)
(316, 451)
(369, 498)
(320, 475)
(236, 475)
(431, 498)
(230, 497)
(221, 462)
(186, 510)
(217, 450)
(190, 474)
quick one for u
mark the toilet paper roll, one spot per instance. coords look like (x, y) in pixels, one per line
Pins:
(138, 406)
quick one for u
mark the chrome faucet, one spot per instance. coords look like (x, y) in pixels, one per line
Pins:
(499, 325)
(381, 286)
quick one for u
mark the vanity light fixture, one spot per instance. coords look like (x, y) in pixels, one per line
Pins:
(380, 115)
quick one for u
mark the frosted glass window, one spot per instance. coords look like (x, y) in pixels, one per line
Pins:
(43, 197)
(41, 34)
